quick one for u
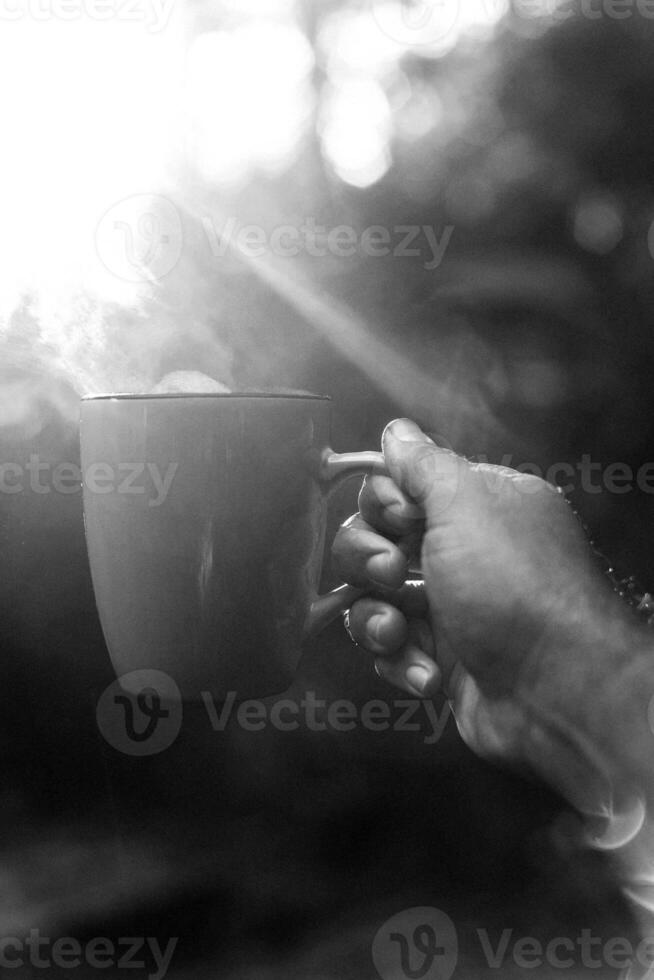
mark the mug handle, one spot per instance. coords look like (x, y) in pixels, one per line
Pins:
(331, 469)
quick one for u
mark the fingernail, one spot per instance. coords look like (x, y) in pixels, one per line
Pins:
(407, 431)
(405, 510)
(380, 570)
(375, 625)
(418, 678)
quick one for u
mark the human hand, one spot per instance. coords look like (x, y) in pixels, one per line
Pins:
(514, 618)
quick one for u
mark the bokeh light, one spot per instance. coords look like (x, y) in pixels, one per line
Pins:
(226, 90)
(357, 130)
(598, 222)
(433, 28)
(350, 41)
(248, 99)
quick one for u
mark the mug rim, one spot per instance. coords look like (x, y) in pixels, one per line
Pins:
(158, 396)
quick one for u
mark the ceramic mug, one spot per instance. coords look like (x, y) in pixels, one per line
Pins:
(205, 522)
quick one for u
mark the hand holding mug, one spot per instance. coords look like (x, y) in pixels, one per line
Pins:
(515, 621)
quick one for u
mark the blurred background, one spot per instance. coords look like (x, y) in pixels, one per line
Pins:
(435, 209)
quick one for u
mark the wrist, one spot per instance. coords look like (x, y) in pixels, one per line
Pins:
(586, 699)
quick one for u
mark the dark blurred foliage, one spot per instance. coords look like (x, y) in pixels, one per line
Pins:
(280, 855)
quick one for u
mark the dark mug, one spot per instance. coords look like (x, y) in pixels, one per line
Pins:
(205, 522)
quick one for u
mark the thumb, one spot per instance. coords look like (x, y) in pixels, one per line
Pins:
(427, 473)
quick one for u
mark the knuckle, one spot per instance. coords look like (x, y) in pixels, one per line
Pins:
(436, 477)
(422, 471)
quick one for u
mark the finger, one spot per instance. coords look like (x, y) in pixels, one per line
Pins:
(383, 626)
(366, 559)
(383, 505)
(430, 475)
(377, 626)
(414, 670)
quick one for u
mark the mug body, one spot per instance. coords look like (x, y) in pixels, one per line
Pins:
(205, 523)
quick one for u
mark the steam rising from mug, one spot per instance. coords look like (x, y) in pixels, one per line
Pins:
(189, 382)
(49, 356)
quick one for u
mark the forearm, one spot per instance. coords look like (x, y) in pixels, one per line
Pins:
(593, 694)
(589, 711)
